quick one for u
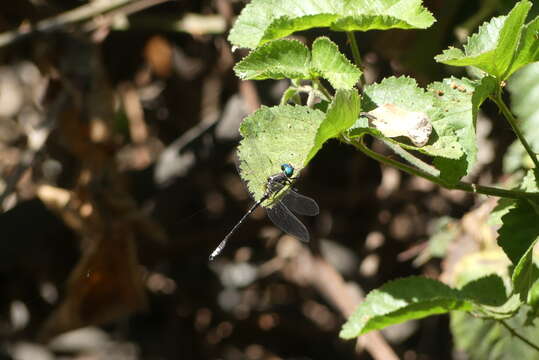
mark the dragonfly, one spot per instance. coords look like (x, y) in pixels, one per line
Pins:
(280, 210)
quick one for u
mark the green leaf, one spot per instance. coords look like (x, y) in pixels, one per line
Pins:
(534, 295)
(519, 231)
(528, 48)
(446, 146)
(288, 94)
(502, 207)
(274, 136)
(279, 59)
(518, 235)
(523, 272)
(457, 103)
(493, 47)
(332, 65)
(265, 20)
(282, 59)
(341, 114)
(487, 290)
(405, 95)
(402, 92)
(452, 107)
(402, 300)
(488, 339)
(524, 90)
(529, 183)
(504, 311)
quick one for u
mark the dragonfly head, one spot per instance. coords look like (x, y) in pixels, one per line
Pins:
(287, 169)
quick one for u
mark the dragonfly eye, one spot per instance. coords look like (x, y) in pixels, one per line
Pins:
(287, 169)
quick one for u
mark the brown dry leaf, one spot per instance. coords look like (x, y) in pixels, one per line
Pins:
(393, 121)
(106, 284)
(158, 54)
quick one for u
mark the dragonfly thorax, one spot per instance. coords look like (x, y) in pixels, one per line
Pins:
(276, 183)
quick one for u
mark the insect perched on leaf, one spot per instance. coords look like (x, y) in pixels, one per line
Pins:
(283, 200)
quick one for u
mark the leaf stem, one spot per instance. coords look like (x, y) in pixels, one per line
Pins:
(517, 335)
(513, 122)
(471, 188)
(357, 56)
(427, 168)
(318, 86)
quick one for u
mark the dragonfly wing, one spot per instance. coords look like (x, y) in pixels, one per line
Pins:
(287, 222)
(300, 204)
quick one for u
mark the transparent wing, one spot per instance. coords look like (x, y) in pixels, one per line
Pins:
(287, 222)
(300, 204)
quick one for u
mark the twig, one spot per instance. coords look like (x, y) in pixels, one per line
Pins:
(13, 179)
(170, 164)
(82, 13)
(31, 154)
(194, 24)
(321, 275)
(135, 113)
(333, 287)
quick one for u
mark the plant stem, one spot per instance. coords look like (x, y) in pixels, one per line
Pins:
(357, 56)
(355, 49)
(515, 334)
(318, 86)
(471, 188)
(429, 169)
(513, 122)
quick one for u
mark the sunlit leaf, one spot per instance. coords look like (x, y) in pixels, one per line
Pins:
(402, 300)
(291, 59)
(449, 110)
(341, 114)
(492, 48)
(457, 103)
(274, 136)
(279, 59)
(332, 65)
(520, 227)
(519, 230)
(265, 20)
(486, 290)
(528, 48)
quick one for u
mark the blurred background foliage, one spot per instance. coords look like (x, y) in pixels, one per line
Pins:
(118, 124)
